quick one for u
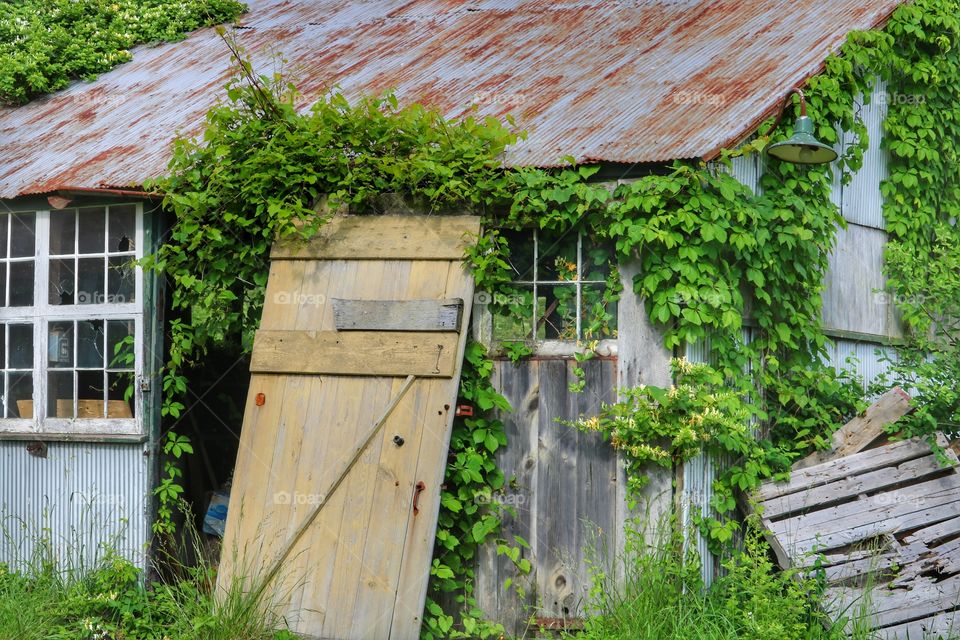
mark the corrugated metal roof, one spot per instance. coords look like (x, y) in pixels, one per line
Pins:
(602, 80)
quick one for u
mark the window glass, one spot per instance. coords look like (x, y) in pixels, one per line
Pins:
(92, 238)
(16, 358)
(559, 290)
(86, 362)
(23, 235)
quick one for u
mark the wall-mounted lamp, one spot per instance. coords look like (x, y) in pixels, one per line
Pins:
(802, 147)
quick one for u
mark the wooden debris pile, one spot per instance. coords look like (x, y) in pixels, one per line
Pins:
(883, 521)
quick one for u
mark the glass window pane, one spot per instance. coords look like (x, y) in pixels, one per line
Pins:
(3, 351)
(90, 281)
(599, 317)
(520, 244)
(21, 346)
(557, 312)
(120, 353)
(4, 222)
(60, 344)
(60, 394)
(512, 311)
(21, 395)
(92, 229)
(90, 344)
(91, 393)
(557, 258)
(23, 235)
(123, 229)
(3, 284)
(120, 392)
(598, 257)
(121, 281)
(62, 231)
(61, 281)
(21, 284)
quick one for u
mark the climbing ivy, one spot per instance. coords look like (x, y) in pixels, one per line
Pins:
(710, 252)
(45, 44)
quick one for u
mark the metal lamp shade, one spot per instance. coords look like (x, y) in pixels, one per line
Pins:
(802, 147)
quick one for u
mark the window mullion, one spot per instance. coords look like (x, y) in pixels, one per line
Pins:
(577, 305)
(40, 304)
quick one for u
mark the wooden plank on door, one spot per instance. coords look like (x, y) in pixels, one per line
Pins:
(346, 237)
(358, 353)
(397, 315)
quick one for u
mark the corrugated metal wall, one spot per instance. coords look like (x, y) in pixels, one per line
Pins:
(81, 499)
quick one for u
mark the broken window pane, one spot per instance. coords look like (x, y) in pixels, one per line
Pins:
(512, 310)
(121, 281)
(90, 344)
(21, 395)
(61, 281)
(122, 229)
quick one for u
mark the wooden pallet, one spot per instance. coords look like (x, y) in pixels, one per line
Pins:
(882, 520)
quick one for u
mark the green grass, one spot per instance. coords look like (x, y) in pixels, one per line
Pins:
(661, 597)
(57, 598)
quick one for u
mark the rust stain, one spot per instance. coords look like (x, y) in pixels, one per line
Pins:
(620, 81)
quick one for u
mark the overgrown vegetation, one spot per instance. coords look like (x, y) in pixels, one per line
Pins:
(45, 44)
(661, 597)
(57, 592)
(705, 244)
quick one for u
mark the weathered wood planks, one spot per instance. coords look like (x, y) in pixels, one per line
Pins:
(884, 523)
(359, 556)
(347, 237)
(860, 432)
(358, 353)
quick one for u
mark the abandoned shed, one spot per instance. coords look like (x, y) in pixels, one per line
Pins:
(626, 85)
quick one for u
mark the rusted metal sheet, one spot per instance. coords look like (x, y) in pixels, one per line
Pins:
(600, 80)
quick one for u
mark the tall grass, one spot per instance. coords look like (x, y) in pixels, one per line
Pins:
(52, 594)
(660, 596)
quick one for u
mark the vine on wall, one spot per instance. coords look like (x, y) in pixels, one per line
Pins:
(707, 247)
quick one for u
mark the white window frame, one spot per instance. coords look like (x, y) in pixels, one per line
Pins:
(42, 313)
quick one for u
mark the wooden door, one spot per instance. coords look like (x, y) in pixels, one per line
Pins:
(347, 423)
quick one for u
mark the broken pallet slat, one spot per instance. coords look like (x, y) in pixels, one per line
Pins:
(863, 430)
(882, 523)
(358, 353)
(397, 315)
(851, 486)
(825, 472)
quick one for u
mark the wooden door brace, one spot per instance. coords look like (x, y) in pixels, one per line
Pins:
(278, 563)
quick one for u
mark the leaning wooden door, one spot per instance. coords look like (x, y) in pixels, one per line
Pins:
(355, 371)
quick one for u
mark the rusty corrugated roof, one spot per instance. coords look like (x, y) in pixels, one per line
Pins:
(633, 81)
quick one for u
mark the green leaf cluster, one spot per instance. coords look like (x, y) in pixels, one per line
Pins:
(46, 44)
